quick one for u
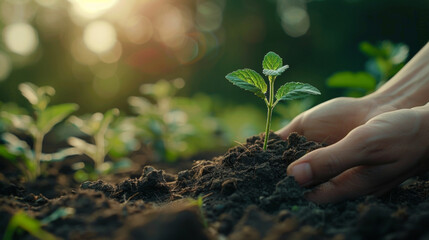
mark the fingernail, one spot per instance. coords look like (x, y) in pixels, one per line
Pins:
(302, 173)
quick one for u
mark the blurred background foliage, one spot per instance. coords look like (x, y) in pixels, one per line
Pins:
(97, 53)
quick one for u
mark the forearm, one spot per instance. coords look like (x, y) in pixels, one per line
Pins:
(410, 86)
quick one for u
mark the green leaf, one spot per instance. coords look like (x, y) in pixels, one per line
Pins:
(295, 90)
(53, 115)
(29, 91)
(107, 119)
(20, 122)
(29, 224)
(277, 72)
(370, 50)
(39, 97)
(272, 61)
(83, 147)
(4, 152)
(16, 146)
(361, 80)
(60, 155)
(250, 80)
(57, 214)
(141, 105)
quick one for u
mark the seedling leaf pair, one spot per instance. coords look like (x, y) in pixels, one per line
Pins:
(96, 126)
(39, 97)
(272, 67)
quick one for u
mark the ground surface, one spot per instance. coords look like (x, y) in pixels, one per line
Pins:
(245, 194)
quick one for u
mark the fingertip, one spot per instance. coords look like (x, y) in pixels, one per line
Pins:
(302, 173)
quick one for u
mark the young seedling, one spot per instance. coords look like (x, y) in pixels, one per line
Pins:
(252, 81)
(173, 126)
(98, 127)
(37, 125)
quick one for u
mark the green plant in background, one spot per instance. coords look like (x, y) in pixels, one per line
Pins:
(272, 67)
(21, 220)
(174, 126)
(98, 127)
(385, 60)
(37, 125)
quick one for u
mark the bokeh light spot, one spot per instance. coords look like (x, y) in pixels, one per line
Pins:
(188, 52)
(209, 16)
(138, 29)
(99, 36)
(171, 26)
(20, 38)
(295, 21)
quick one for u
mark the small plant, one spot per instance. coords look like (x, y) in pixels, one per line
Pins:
(172, 126)
(104, 139)
(250, 80)
(37, 125)
(385, 60)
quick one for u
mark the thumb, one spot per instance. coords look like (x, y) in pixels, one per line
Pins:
(325, 163)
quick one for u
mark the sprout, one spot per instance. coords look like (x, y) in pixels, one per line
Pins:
(250, 80)
(37, 126)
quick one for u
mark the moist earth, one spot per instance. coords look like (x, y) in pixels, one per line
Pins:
(243, 194)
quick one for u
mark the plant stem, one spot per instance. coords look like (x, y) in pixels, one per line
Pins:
(38, 143)
(100, 146)
(270, 107)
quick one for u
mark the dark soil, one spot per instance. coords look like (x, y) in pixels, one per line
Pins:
(246, 194)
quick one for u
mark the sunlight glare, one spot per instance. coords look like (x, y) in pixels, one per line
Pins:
(92, 8)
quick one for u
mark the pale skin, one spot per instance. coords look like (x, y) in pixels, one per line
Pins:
(374, 143)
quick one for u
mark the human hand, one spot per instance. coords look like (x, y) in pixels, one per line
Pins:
(332, 120)
(371, 159)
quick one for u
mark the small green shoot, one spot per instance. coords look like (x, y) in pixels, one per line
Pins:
(199, 203)
(37, 125)
(29, 224)
(272, 68)
(98, 127)
(173, 127)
